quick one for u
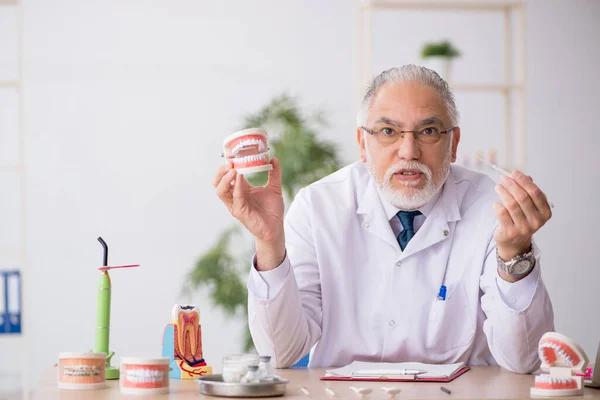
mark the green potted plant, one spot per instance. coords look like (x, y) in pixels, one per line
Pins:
(438, 56)
(304, 158)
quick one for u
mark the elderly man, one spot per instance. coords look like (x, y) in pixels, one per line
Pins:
(401, 256)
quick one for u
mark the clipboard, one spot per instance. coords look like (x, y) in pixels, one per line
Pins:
(407, 378)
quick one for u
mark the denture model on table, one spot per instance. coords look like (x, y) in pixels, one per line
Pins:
(182, 343)
(562, 358)
(144, 376)
(81, 371)
(248, 150)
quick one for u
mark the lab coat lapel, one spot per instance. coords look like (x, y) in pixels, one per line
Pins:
(373, 216)
(438, 224)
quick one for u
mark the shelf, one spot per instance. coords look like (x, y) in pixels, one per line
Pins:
(512, 86)
(9, 2)
(437, 5)
(10, 84)
(478, 87)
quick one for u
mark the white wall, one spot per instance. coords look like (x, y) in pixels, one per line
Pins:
(126, 104)
(563, 144)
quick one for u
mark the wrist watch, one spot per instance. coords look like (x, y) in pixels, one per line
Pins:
(519, 265)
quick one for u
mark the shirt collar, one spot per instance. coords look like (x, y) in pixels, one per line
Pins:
(391, 210)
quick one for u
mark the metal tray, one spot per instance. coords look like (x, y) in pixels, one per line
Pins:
(213, 385)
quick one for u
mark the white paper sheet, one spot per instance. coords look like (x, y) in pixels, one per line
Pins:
(357, 368)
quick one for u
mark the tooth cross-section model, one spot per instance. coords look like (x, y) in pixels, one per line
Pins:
(563, 358)
(182, 343)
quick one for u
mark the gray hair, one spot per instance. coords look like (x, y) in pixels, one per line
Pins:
(409, 73)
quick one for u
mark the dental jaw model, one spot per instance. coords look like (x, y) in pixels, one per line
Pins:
(248, 150)
(182, 343)
(562, 358)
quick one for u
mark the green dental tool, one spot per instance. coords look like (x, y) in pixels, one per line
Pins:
(103, 313)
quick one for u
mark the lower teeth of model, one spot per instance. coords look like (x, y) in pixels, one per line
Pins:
(252, 158)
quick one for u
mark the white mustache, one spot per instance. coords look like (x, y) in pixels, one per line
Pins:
(400, 165)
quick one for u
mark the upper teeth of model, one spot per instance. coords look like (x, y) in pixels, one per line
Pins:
(145, 375)
(248, 143)
(558, 350)
(408, 173)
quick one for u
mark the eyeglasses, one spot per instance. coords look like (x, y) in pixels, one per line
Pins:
(388, 135)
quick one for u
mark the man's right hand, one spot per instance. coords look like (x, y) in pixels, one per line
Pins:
(259, 209)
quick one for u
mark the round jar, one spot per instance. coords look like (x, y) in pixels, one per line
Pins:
(235, 366)
(144, 376)
(82, 371)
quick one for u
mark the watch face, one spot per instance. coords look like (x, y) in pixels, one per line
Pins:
(521, 267)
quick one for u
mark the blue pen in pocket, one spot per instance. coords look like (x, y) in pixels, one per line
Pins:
(442, 294)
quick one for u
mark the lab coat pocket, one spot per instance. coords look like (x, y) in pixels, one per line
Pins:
(450, 323)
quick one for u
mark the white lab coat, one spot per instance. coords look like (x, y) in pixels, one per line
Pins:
(347, 287)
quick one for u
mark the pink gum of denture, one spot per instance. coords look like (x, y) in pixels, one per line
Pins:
(248, 150)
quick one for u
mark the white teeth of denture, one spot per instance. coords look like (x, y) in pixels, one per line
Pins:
(145, 376)
(551, 379)
(249, 142)
(252, 158)
(558, 349)
(81, 370)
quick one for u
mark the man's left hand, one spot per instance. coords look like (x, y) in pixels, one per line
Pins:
(524, 212)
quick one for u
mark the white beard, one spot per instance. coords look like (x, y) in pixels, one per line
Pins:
(408, 198)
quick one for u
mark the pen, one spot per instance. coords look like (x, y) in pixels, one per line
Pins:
(388, 372)
(508, 174)
(442, 293)
(445, 390)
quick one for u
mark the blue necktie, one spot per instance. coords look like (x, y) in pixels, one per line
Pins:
(407, 218)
